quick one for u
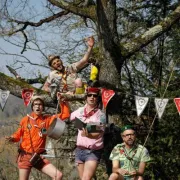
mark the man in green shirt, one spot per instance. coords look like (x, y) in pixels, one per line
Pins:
(129, 158)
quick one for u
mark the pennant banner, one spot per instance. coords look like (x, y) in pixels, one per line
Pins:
(141, 103)
(177, 102)
(106, 96)
(3, 98)
(160, 106)
(26, 95)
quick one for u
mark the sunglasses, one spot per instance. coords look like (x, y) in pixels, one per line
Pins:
(93, 95)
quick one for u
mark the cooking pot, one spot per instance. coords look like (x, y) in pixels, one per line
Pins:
(56, 128)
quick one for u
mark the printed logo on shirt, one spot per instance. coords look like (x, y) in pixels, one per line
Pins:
(29, 126)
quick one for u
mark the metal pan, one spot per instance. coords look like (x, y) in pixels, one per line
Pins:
(56, 128)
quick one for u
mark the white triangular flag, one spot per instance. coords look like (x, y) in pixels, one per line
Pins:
(160, 106)
(141, 103)
(3, 98)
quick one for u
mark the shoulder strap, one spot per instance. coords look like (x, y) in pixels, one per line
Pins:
(30, 137)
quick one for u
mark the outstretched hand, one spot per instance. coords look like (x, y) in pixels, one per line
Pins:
(60, 97)
(9, 139)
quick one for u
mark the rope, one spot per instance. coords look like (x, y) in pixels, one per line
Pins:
(156, 112)
(56, 160)
(158, 109)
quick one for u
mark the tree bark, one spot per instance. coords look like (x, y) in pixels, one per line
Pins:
(143, 40)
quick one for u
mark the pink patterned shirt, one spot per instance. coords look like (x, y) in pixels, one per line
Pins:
(86, 142)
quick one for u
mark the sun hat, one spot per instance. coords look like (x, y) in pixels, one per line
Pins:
(51, 58)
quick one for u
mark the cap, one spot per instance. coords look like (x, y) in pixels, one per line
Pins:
(126, 128)
(92, 89)
(51, 58)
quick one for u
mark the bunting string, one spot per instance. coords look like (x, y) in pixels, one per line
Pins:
(150, 129)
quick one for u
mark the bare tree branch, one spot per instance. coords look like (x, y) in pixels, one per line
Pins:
(27, 60)
(42, 21)
(25, 43)
(135, 45)
(15, 87)
(86, 11)
(13, 71)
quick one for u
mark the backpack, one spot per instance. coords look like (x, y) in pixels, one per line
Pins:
(112, 137)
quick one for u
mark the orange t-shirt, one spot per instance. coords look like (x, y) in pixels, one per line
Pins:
(30, 130)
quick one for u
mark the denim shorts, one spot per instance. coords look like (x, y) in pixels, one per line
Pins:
(83, 155)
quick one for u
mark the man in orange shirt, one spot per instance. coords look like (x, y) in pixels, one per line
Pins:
(32, 133)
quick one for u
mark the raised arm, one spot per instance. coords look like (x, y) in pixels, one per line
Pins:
(80, 64)
(65, 110)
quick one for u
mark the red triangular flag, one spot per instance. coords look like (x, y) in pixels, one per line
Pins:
(26, 95)
(106, 96)
(177, 102)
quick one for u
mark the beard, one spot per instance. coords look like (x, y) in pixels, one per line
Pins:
(130, 142)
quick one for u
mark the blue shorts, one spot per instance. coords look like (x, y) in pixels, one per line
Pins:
(83, 155)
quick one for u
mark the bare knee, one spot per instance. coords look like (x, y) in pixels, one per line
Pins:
(78, 82)
(85, 177)
(114, 176)
(139, 178)
(58, 176)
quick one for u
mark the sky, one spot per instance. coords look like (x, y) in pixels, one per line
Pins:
(9, 59)
(49, 34)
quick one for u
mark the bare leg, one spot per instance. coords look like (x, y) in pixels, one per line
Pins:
(80, 168)
(79, 86)
(89, 170)
(24, 174)
(139, 178)
(52, 171)
(115, 176)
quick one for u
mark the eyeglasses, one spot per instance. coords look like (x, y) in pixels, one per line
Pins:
(126, 135)
(37, 104)
(93, 95)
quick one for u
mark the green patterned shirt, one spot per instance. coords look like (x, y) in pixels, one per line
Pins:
(130, 158)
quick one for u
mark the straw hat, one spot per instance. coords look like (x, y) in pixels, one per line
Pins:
(33, 98)
(51, 58)
(37, 97)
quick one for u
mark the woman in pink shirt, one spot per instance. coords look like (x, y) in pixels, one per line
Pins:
(90, 139)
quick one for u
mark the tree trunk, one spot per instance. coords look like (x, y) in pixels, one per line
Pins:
(111, 58)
